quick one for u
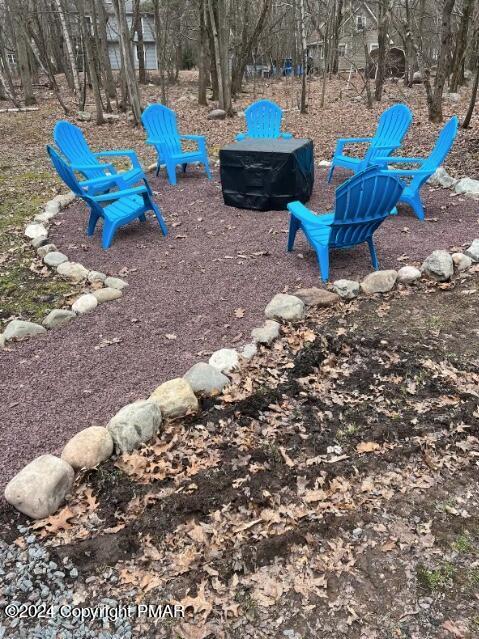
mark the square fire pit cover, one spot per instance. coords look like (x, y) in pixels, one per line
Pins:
(266, 174)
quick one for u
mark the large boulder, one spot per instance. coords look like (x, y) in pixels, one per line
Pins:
(379, 282)
(55, 258)
(439, 266)
(135, 424)
(461, 262)
(88, 448)
(175, 398)
(267, 333)
(58, 317)
(41, 487)
(408, 274)
(72, 271)
(20, 329)
(216, 114)
(442, 178)
(473, 251)
(285, 307)
(205, 379)
(467, 186)
(84, 304)
(317, 296)
(224, 360)
(347, 289)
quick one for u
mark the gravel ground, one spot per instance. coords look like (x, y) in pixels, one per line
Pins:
(215, 260)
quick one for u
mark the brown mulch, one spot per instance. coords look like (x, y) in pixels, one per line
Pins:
(187, 287)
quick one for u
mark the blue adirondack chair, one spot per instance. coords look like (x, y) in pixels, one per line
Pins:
(415, 178)
(392, 127)
(362, 203)
(162, 130)
(263, 120)
(122, 207)
(71, 142)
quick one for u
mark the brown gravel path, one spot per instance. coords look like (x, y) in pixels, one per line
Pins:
(216, 259)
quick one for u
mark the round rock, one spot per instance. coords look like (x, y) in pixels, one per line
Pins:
(439, 266)
(205, 379)
(175, 398)
(115, 282)
(58, 317)
(473, 251)
(249, 350)
(408, 274)
(96, 276)
(317, 296)
(347, 289)
(20, 329)
(107, 294)
(35, 230)
(224, 360)
(216, 114)
(39, 241)
(45, 248)
(379, 282)
(267, 333)
(461, 261)
(285, 307)
(73, 271)
(84, 304)
(88, 448)
(55, 258)
(135, 424)
(41, 487)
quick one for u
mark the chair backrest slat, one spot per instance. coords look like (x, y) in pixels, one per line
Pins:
(71, 142)
(263, 119)
(392, 127)
(160, 124)
(362, 203)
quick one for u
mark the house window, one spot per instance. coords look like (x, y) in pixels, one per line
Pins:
(11, 59)
(321, 52)
(360, 23)
(373, 45)
(342, 50)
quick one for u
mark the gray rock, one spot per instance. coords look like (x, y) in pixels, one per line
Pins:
(63, 199)
(347, 289)
(44, 249)
(205, 379)
(135, 424)
(175, 398)
(116, 282)
(107, 294)
(224, 360)
(417, 77)
(111, 117)
(324, 163)
(408, 274)
(88, 448)
(461, 262)
(39, 241)
(442, 178)
(249, 350)
(96, 276)
(379, 282)
(58, 317)
(216, 114)
(285, 307)
(35, 230)
(473, 251)
(267, 333)
(467, 186)
(19, 329)
(41, 487)
(84, 116)
(73, 271)
(84, 304)
(453, 97)
(438, 266)
(317, 296)
(3, 341)
(55, 258)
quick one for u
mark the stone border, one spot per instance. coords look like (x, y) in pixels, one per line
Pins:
(41, 487)
(97, 286)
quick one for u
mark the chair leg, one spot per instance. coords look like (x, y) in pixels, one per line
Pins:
(142, 217)
(171, 172)
(207, 169)
(159, 217)
(330, 172)
(92, 223)
(372, 250)
(323, 258)
(418, 207)
(293, 229)
(109, 230)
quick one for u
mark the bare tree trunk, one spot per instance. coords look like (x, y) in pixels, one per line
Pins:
(22, 47)
(203, 64)
(137, 28)
(108, 79)
(383, 45)
(217, 52)
(85, 29)
(303, 108)
(460, 50)
(472, 103)
(128, 69)
(69, 48)
(435, 108)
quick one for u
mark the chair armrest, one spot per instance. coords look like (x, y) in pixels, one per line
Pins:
(116, 195)
(125, 152)
(405, 172)
(103, 179)
(397, 160)
(286, 135)
(301, 212)
(90, 167)
(199, 139)
(341, 143)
